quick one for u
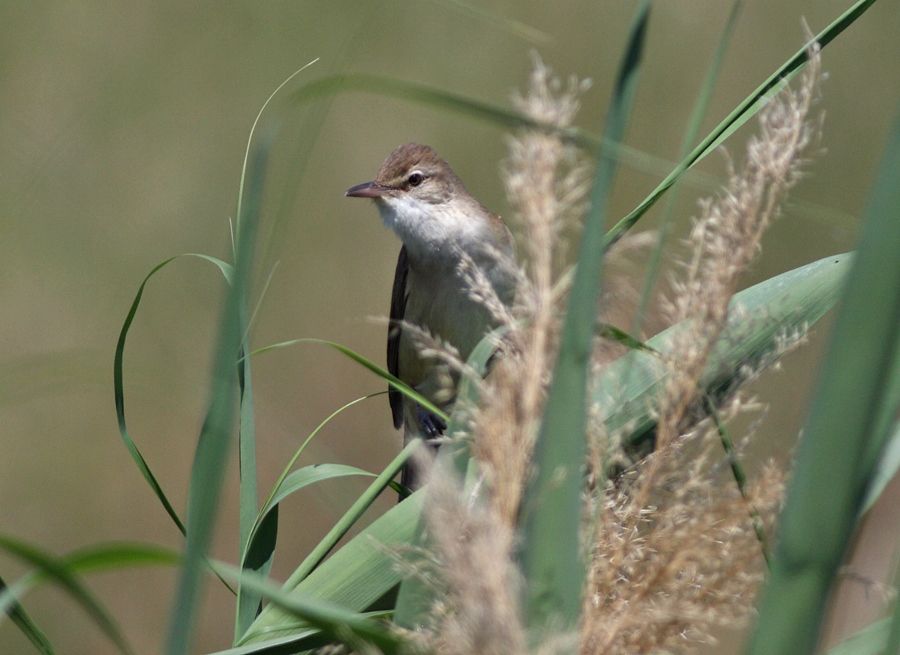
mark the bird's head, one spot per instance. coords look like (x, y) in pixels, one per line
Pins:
(421, 199)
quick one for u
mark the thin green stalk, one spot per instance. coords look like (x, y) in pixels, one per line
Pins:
(320, 552)
(690, 136)
(740, 477)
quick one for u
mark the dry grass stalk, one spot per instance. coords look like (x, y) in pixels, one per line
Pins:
(479, 611)
(546, 185)
(726, 238)
(675, 553)
(663, 575)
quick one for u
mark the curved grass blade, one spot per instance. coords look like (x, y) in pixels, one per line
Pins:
(739, 115)
(119, 385)
(26, 625)
(89, 560)
(258, 546)
(55, 569)
(840, 447)
(392, 380)
(550, 516)
(261, 547)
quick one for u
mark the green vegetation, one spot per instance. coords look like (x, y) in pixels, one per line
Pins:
(352, 591)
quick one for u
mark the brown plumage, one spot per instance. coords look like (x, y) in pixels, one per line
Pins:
(443, 229)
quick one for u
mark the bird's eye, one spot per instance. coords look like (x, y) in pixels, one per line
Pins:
(415, 179)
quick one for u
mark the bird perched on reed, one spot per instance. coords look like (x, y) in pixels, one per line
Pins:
(446, 233)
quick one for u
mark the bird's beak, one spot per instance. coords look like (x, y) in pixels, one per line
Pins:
(366, 190)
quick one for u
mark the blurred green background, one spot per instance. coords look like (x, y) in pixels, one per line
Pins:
(122, 129)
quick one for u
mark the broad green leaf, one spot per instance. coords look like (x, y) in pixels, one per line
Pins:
(550, 515)
(355, 576)
(758, 317)
(844, 433)
(341, 625)
(364, 569)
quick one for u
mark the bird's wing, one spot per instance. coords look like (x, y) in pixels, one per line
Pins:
(399, 295)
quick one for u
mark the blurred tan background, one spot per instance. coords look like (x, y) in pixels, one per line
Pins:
(122, 129)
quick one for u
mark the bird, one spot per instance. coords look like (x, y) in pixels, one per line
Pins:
(442, 228)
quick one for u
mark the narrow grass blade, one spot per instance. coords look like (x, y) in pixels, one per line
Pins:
(392, 380)
(26, 625)
(55, 569)
(551, 507)
(740, 477)
(258, 550)
(620, 336)
(212, 447)
(840, 447)
(92, 559)
(119, 383)
(261, 545)
(690, 136)
(342, 625)
(364, 569)
(739, 115)
(248, 603)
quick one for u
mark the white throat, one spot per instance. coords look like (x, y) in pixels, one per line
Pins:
(434, 232)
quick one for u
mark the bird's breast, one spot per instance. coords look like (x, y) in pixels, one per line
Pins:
(441, 305)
